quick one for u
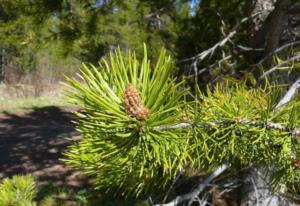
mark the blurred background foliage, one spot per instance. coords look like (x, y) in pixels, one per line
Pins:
(88, 30)
(66, 32)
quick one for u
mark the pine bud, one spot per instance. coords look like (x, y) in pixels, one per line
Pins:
(295, 163)
(238, 120)
(134, 105)
(296, 133)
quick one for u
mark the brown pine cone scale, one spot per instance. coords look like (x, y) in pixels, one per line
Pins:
(134, 105)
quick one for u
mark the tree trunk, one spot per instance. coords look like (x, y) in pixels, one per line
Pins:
(1, 65)
(265, 31)
(275, 26)
(256, 26)
(266, 28)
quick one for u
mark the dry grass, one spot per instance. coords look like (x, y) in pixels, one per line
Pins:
(24, 104)
(21, 97)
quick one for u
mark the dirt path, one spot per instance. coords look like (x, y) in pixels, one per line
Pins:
(34, 142)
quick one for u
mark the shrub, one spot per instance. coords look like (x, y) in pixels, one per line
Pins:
(17, 191)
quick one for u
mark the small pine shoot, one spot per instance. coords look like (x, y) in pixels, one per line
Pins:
(18, 191)
(123, 100)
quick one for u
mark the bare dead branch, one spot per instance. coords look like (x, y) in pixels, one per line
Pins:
(201, 56)
(194, 194)
(290, 94)
(210, 66)
(244, 48)
(281, 66)
(171, 187)
(276, 51)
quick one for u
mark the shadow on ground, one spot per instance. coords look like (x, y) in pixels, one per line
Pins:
(34, 142)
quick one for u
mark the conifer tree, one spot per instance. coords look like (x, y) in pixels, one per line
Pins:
(141, 127)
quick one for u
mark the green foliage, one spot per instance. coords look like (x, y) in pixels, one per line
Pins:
(234, 124)
(21, 190)
(89, 30)
(50, 201)
(118, 150)
(246, 132)
(241, 134)
(17, 191)
(86, 30)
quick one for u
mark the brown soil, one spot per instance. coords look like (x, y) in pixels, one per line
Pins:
(34, 143)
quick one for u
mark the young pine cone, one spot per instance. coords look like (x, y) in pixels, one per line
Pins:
(134, 105)
(295, 163)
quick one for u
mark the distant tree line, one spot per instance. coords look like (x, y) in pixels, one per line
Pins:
(88, 30)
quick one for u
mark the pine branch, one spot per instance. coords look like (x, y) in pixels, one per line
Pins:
(194, 194)
(267, 125)
(290, 94)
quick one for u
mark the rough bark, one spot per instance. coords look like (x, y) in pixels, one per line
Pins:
(256, 27)
(275, 26)
(265, 31)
